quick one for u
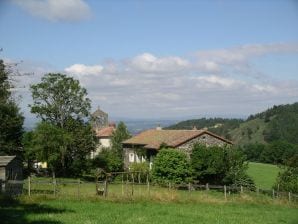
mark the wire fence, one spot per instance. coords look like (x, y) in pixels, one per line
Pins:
(130, 185)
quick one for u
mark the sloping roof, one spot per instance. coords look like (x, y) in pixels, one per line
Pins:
(105, 132)
(154, 138)
(4, 160)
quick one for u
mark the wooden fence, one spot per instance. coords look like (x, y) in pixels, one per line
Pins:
(132, 184)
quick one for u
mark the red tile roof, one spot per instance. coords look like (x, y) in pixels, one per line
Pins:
(154, 138)
(105, 132)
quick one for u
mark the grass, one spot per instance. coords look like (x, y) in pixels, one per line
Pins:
(263, 174)
(62, 210)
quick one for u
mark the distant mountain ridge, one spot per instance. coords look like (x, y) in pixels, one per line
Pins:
(277, 123)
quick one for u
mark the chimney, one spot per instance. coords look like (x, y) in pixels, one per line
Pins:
(158, 127)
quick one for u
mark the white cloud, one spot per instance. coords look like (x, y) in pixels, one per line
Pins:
(149, 63)
(56, 10)
(151, 86)
(81, 69)
(243, 53)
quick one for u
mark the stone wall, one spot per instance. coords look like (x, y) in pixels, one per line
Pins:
(204, 139)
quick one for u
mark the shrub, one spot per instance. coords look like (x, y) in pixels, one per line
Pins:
(171, 166)
(142, 169)
(288, 179)
(217, 165)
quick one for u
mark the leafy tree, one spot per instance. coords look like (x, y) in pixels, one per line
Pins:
(288, 179)
(63, 106)
(171, 166)
(108, 160)
(58, 98)
(217, 165)
(119, 135)
(11, 120)
(49, 143)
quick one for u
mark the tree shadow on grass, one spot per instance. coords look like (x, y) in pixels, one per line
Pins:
(16, 212)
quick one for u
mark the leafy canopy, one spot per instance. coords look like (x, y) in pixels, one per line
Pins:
(58, 98)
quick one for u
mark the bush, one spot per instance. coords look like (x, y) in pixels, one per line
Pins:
(217, 165)
(171, 166)
(288, 180)
(108, 160)
(142, 169)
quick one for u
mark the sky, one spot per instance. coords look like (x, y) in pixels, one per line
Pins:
(158, 59)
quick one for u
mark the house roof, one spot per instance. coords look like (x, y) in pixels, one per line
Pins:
(4, 160)
(105, 132)
(154, 138)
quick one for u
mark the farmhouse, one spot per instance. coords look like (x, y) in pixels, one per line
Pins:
(11, 169)
(144, 146)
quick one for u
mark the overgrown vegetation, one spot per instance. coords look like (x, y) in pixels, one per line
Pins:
(217, 165)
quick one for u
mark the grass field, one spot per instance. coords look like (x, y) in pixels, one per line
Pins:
(58, 211)
(263, 174)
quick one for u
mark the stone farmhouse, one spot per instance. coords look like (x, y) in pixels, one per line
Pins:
(145, 146)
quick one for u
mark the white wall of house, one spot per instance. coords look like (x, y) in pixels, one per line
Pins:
(102, 143)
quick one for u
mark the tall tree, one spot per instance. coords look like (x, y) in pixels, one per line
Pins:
(58, 98)
(64, 108)
(11, 119)
(119, 135)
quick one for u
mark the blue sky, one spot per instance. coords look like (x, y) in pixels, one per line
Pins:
(160, 58)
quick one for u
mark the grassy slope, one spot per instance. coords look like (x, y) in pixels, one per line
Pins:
(75, 212)
(240, 135)
(263, 174)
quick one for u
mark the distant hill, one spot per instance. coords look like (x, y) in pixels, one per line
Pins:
(220, 126)
(277, 123)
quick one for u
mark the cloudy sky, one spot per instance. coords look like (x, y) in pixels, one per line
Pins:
(159, 59)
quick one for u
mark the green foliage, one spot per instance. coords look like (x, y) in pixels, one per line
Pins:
(58, 98)
(217, 165)
(142, 170)
(119, 135)
(11, 120)
(109, 160)
(288, 179)
(171, 166)
(277, 152)
(63, 106)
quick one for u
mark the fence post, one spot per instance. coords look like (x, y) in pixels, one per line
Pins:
(189, 187)
(289, 196)
(148, 184)
(106, 186)
(122, 187)
(225, 191)
(207, 187)
(54, 183)
(241, 189)
(132, 186)
(273, 194)
(29, 185)
(79, 182)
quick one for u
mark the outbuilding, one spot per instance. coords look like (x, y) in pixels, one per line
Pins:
(11, 174)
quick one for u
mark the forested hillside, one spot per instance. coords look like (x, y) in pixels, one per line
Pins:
(277, 123)
(220, 126)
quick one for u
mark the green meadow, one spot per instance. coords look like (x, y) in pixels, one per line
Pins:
(73, 211)
(263, 174)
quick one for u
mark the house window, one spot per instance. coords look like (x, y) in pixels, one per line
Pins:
(131, 157)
